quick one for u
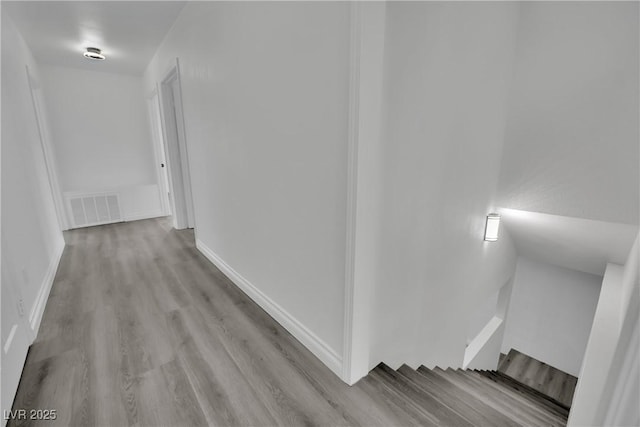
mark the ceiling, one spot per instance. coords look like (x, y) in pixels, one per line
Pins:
(128, 32)
(575, 243)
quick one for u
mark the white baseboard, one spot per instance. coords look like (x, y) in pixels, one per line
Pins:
(143, 215)
(37, 310)
(311, 341)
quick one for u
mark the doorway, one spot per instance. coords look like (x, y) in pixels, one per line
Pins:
(176, 149)
(47, 151)
(153, 105)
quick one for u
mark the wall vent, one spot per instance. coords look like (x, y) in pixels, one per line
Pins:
(94, 209)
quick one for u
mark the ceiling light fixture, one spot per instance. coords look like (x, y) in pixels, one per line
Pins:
(492, 227)
(94, 53)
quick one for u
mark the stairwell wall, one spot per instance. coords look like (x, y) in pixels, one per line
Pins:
(602, 373)
(551, 313)
(447, 74)
(573, 129)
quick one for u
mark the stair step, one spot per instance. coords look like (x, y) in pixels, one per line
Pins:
(518, 407)
(425, 403)
(514, 409)
(540, 376)
(523, 402)
(458, 399)
(501, 359)
(544, 400)
(373, 386)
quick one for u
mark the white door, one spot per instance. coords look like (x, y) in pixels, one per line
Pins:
(160, 155)
(16, 338)
(176, 148)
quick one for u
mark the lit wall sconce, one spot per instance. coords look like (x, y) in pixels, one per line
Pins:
(492, 227)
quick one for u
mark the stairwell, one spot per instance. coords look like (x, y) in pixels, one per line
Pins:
(455, 397)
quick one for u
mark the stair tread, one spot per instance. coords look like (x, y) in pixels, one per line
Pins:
(510, 407)
(425, 403)
(393, 402)
(540, 376)
(486, 397)
(494, 398)
(532, 393)
(523, 402)
(521, 392)
(459, 400)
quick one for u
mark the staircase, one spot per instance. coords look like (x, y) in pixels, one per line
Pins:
(463, 398)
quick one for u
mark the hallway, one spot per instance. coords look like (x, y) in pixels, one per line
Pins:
(319, 213)
(140, 329)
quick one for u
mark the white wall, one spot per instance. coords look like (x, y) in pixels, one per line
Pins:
(484, 310)
(551, 314)
(621, 406)
(572, 137)
(101, 136)
(483, 349)
(447, 71)
(483, 352)
(265, 95)
(603, 374)
(31, 239)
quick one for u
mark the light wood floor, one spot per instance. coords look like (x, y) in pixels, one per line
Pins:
(140, 329)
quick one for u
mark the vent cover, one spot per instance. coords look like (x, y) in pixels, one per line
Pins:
(94, 209)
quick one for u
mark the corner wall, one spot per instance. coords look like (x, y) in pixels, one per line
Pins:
(447, 73)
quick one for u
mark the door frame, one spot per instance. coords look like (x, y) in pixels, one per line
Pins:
(177, 155)
(47, 151)
(159, 151)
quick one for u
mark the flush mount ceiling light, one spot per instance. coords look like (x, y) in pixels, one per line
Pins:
(492, 227)
(94, 53)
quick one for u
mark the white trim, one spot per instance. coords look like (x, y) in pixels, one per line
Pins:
(37, 310)
(47, 152)
(155, 124)
(177, 152)
(311, 341)
(91, 193)
(478, 342)
(136, 216)
(623, 405)
(352, 188)
(184, 151)
(7, 343)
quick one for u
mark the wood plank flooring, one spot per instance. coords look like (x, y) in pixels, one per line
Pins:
(141, 330)
(546, 379)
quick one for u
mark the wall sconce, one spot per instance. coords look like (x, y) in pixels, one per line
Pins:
(492, 227)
